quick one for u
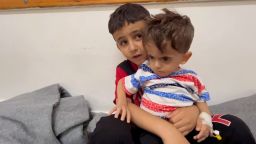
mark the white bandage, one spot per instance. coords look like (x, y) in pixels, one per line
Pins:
(206, 118)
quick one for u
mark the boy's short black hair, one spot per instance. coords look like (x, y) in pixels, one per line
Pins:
(169, 29)
(129, 13)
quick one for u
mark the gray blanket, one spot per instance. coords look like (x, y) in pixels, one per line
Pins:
(46, 116)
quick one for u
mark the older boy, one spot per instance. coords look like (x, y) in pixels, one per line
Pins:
(126, 25)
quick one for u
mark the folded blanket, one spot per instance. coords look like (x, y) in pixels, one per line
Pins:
(45, 116)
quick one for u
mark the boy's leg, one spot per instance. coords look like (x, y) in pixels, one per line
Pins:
(149, 138)
(232, 130)
(142, 136)
(110, 130)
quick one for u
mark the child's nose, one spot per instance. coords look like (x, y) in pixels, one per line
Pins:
(157, 65)
(132, 46)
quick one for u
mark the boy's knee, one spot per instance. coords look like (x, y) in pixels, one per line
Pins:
(234, 130)
(110, 130)
(236, 123)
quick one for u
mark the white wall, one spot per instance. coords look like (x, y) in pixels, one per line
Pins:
(72, 46)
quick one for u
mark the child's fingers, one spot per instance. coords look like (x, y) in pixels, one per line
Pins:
(198, 128)
(178, 124)
(184, 130)
(117, 112)
(128, 116)
(123, 115)
(112, 111)
(198, 125)
(199, 135)
(203, 134)
(201, 139)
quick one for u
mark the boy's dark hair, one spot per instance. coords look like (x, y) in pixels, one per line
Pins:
(170, 29)
(129, 13)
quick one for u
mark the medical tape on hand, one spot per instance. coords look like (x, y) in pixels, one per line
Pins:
(206, 118)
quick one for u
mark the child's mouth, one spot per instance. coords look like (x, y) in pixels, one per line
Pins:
(136, 56)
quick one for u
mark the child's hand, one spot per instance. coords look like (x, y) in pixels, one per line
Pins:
(184, 118)
(121, 108)
(204, 130)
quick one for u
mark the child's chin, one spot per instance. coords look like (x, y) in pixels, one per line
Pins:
(162, 75)
(137, 62)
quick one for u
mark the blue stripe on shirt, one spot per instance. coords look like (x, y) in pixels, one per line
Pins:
(205, 96)
(183, 71)
(145, 68)
(135, 82)
(180, 97)
(147, 78)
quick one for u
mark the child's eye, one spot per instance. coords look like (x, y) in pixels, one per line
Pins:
(150, 57)
(122, 43)
(138, 36)
(165, 59)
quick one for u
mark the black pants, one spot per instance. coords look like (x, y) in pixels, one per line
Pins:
(110, 130)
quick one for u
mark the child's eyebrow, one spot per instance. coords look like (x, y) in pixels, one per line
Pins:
(170, 57)
(136, 31)
(166, 56)
(120, 38)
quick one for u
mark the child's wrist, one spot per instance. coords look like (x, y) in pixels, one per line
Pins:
(206, 118)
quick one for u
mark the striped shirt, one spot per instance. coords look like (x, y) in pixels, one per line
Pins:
(164, 94)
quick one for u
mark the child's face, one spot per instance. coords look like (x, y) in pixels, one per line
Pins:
(129, 41)
(166, 62)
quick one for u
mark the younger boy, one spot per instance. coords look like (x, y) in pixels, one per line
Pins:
(166, 85)
(126, 24)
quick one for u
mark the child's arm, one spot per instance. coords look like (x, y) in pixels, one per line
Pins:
(203, 107)
(128, 85)
(204, 123)
(162, 128)
(121, 107)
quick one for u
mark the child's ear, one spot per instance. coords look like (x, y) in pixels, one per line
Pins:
(186, 57)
